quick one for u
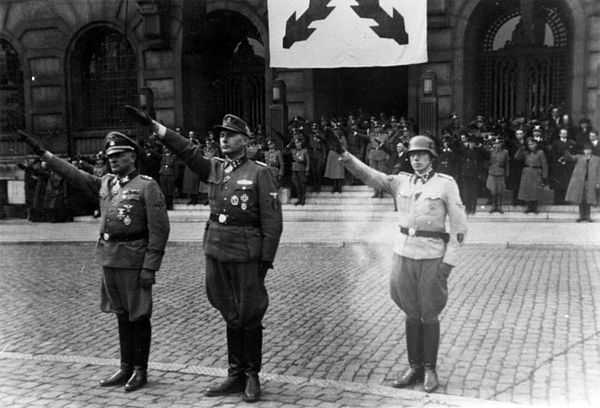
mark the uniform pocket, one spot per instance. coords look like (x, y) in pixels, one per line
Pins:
(403, 200)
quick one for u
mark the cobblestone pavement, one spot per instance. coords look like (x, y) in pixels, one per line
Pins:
(521, 327)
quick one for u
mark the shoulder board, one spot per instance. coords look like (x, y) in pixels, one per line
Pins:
(444, 175)
(261, 163)
(144, 177)
(404, 173)
(219, 159)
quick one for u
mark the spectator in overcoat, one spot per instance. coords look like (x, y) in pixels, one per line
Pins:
(534, 176)
(585, 181)
(559, 170)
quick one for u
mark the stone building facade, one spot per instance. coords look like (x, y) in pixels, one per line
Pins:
(68, 66)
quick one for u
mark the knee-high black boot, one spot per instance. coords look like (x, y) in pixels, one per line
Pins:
(127, 349)
(253, 339)
(143, 338)
(236, 380)
(499, 204)
(414, 349)
(588, 212)
(431, 343)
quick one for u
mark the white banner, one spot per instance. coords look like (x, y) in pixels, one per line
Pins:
(347, 33)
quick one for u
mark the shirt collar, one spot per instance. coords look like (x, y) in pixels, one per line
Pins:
(424, 177)
(231, 165)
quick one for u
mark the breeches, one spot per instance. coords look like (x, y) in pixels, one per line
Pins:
(299, 179)
(418, 287)
(121, 293)
(167, 184)
(237, 290)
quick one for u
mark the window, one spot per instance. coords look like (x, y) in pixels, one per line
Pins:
(12, 112)
(103, 80)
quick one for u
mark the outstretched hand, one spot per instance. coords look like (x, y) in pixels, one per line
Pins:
(142, 117)
(330, 139)
(35, 145)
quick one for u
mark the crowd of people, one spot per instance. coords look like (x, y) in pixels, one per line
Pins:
(486, 157)
(242, 234)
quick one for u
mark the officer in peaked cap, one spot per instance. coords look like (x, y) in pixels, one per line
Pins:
(134, 228)
(240, 242)
(424, 251)
(232, 123)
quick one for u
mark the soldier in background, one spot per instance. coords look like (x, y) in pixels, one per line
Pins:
(274, 159)
(134, 228)
(168, 174)
(318, 157)
(240, 242)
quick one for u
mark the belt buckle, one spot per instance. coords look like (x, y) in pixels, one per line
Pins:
(106, 236)
(222, 218)
(412, 232)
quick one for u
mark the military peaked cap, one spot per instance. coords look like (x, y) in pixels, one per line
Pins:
(234, 124)
(116, 142)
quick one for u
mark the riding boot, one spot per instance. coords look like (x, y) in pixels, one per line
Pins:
(493, 205)
(143, 338)
(303, 194)
(529, 207)
(499, 204)
(534, 207)
(253, 362)
(127, 349)
(414, 349)
(588, 212)
(431, 343)
(339, 186)
(235, 381)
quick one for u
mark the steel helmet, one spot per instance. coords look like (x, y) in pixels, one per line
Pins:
(422, 143)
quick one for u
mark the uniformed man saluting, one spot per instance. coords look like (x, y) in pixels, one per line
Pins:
(134, 228)
(240, 242)
(424, 252)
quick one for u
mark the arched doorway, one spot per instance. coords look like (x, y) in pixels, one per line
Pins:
(103, 78)
(517, 60)
(223, 70)
(12, 109)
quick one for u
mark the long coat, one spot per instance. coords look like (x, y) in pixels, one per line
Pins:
(534, 172)
(559, 169)
(576, 185)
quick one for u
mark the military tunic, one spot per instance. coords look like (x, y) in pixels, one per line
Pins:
(134, 228)
(423, 208)
(242, 233)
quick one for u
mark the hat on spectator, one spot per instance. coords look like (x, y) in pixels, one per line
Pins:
(233, 124)
(116, 142)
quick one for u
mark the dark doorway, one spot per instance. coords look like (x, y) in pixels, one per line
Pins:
(223, 71)
(520, 60)
(372, 90)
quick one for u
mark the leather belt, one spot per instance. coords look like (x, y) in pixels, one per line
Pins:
(412, 232)
(123, 237)
(225, 219)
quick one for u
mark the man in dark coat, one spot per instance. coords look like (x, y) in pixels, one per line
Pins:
(134, 228)
(560, 169)
(471, 173)
(240, 242)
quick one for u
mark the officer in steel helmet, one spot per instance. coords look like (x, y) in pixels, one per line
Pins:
(134, 228)
(240, 242)
(424, 251)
